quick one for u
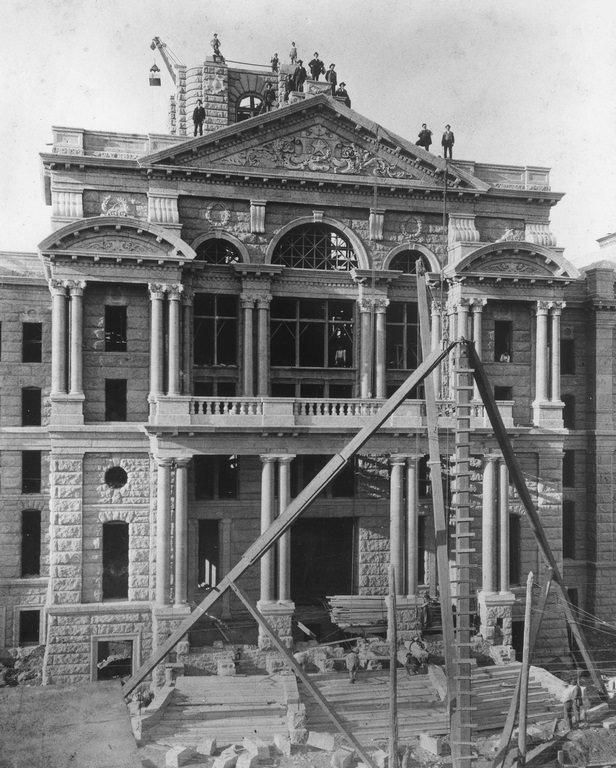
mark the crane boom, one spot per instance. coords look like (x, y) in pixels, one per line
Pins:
(170, 59)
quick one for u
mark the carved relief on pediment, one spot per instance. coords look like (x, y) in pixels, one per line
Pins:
(117, 245)
(510, 265)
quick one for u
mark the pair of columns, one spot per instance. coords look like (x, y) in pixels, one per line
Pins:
(267, 592)
(495, 526)
(67, 337)
(403, 539)
(165, 467)
(372, 348)
(547, 366)
(250, 303)
(158, 294)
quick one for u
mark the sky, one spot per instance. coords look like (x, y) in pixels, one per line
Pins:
(522, 82)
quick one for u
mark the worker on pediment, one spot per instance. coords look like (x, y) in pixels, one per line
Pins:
(269, 97)
(215, 43)
(299, 76)
(425, 137)
(332, 77)
(198, 117)
(275, 61)
(316, 66)
(448, 141)
(341, 93)
(293, 53)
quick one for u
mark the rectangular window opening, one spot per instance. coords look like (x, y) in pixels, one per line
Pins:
(31, 407)
(216, 477)
(209, 553)
(32, 343)
(115, 328)
(515, 550)
(568, 469)
(115, 399)
(567, 356)
(31, 471)
(29, 627)
(31, 542)
(115, 560)
(114, 659)
(503, 333)
(569, 529)
(503, 393)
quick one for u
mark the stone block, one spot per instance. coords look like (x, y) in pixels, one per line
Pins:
(610, 723)
(178, 756)
(298, 736)
(257, 747)
(593, 714)
(432, 744)
(343, 758)
(247, 760)
(324, 741)
(283, 744)
(225, 668)
(381, 759)
(228, 759)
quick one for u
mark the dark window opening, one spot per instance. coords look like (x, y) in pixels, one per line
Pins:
(569, 411)
(407, 261)
(29, 627)
(209, 553)
(402, 336)
(115, 399)
(115, 328)
(31, 542)
(114, 659)
(315, 246)
(569, 469)
(217, 251)
(115, 560)
(32, 343)
(423, 478)
(214, 388)
(248, 106)
(216, 477)
(569, 529)
(567, 356)
(305, 468)
(283, 389)
(31, 471)
(116, 477)
(515, 550)
(215, 329)
(503, 333)
(503, 393)
(31, 407)
(421, 549)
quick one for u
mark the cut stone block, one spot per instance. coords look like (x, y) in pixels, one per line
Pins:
(432, 744)
(298, 735)
(247, 760)
(227, 759)
(610, 724)
(178, 756)
(343, 758)
(257, 747)
(323, 741)
(282, 743)
(206, 747)
(597, 713)
(381, 759)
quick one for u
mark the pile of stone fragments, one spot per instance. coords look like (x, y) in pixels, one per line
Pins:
(22, 666)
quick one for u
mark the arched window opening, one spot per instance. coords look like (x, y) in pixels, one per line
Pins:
(217, 251)
(315, 246)
(248, 106)
(115, 560)
(406, 261)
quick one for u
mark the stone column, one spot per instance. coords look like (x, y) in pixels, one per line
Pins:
(175, 294)
(412, 523)
(380, 307)
(157, 296)
(163, 530)
(503, 515)
(488, 527)
(284, 542)
(263, 304)
(396, 535)
(58, 337)
(541, 353)
(436, 343)
(477, 305)
(76, 337)
(248, 303)
(181, 531)
(556, 311)
(187, 342)
(365, 360)
(267, 518)
(463, 307)
(225, 562)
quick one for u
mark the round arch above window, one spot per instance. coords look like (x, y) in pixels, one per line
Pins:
(248, 105)
(216, 250)
(405, 258)
(315, 246)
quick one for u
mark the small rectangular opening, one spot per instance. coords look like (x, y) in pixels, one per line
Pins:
(115, 399)
(503, 393)
(29, 627)
(115, 560)
(569, 529)
(115, 329)
(30, 542)
(32, 343)
(31, 471)
(114, 659)
(569, 469)
(503, 331)
(569, 411)
(31, 407)
(209, 553)
(567, 356)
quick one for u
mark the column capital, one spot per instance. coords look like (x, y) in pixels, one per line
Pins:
(380, 305)
(543, 307)
(410, 457)
(365, 305)
(478, 304)
(437, 307)
(492, 457)
(464, 303)
(75, 287)
(287, 459)
(557, 307)
(267, 458)
(57, 287)
(263, 301)
(248, 300)
(397, 459)
(157, 290)
(164, 461)
(182, 461)
(175, 291)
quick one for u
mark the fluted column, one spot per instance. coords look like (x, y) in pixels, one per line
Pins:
(488, 528)
(284, 542)
(555, 312)
(412, 524)
(76, 336)
(263, 305)
(396, 534)
(181, 531)
(541, 352)
(58, 337)
(380, 308)
(187, 342)
(163, 529)
(503, 515)
(477, 305)
(436, 343)
(463, 307)
(267, 518)
(157, 296)
(365, 358)
(248, 303)
(175, 295)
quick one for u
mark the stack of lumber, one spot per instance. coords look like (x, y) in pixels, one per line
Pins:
(358, 611)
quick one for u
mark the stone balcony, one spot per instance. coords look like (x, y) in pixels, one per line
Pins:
(280, 413)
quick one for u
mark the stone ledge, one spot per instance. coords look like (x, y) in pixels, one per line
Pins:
(99, 608)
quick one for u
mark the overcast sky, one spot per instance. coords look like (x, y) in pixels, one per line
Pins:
(523, 82)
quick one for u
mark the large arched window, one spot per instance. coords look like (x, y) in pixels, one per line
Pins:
(248, 106)
(315, 246)
(406, 261)
(217, 251)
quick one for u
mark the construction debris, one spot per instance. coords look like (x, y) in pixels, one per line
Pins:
(178, 756)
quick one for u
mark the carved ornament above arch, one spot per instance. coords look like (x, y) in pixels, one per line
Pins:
(512, 259)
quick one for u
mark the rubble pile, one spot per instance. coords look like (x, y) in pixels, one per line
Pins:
(22, 666)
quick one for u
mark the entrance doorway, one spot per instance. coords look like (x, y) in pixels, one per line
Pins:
(322, 559)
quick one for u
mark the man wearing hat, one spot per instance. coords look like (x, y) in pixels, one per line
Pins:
(316, 66)
(199, 117)
(341, 93)
(299, 76)
(447, 141)
(269, 97)
(332, 77)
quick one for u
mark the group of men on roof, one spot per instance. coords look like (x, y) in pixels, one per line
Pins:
(447, 141)
(295, 80)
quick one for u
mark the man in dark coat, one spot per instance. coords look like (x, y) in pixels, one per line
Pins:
(341, 93)
(199, 117)
(425, 137)
(316, 67)
(447, 141)
(332, 77)
(269, 97)
(299, 76)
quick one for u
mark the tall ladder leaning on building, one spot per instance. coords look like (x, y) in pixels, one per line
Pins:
(456, 649)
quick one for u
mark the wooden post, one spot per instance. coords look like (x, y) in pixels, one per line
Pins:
(524, 673)
(392, 626)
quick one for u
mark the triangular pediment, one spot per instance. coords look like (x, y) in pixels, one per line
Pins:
(318, 137)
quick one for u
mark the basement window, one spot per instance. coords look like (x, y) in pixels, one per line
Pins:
(503, 332)
(503, 393)
(30, 471)
(114, 659)
(115, 399)
(115, 329)
(32, 343)
(31, 542)
(29, 627)
(31, 407)
(115, 560)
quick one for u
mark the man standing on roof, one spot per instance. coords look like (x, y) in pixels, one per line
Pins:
(199, 117)
(269, 97)
(275, 61)
(316, 67)
(215, 43)
(448, 141)
(332, 77)
(299, 76)
(341, 93)
(293, 53)
(425, 137)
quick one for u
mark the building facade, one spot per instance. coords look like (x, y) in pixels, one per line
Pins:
(211, 318)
